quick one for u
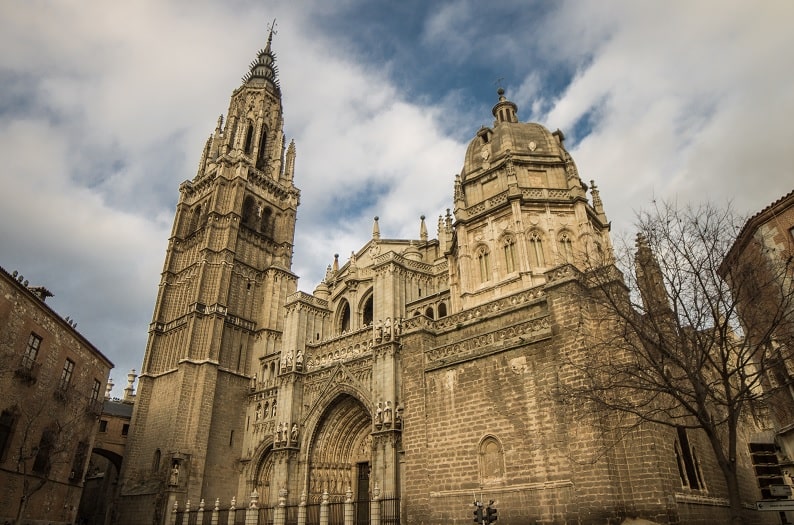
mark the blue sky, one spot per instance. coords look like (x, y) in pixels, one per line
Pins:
(105, 107)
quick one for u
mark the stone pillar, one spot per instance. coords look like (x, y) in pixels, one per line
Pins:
(172, 519)
(302, 509)
(232, 512)
(324, 509)
(252, 513)
(200, 513)
(280, 513)
(216, 512)
(350, 515)
(374, 506)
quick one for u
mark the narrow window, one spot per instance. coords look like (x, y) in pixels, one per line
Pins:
(249, 210)
(688, 466)
(429, 312)
(566, 247)
(231, 438)
(536, 251)
(510, 254)
(7, 420)
(156, 460)
(66, 374)
(484, 264)
(249, 139)
(31, 351)
(125, 429)
(103, 425)
(43, 461)
(261, 157)
(368, 309)
(266, 223)
(344, 317)
(95, 390)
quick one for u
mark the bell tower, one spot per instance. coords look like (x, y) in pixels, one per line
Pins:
(225, 280)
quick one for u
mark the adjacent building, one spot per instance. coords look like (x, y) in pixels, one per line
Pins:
(760, 270)
(52, 381)
(420, 371)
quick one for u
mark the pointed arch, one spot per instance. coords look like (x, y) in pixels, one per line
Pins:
(565, 243)
(249, 210)
(249, 139)
(367, 308)
(442, 310)
(343, 316)
(340, 441)
(537, 258)
(508, 244)
(483, 255)
(266, 221)
(261, 154)
(491, 459)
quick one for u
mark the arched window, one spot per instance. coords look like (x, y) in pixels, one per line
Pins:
(491, 459)
(195, 219)
(367, 311)
(484, 264)
(344, 317)
(156, 461)
(261, 155)
(508, 246)
(566, 247)
(429, 312)
(266, 222)
(536, 258)
(442, 310)
(249, 139)
(249, 210)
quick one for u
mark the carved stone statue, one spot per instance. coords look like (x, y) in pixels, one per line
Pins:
(280, 433)
(387, 328)
(379, 415)
(173, 480)
(293, 436)
(299, 360)
(387, 414)
(378, 330)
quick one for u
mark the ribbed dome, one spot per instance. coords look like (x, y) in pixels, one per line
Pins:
(520, 139)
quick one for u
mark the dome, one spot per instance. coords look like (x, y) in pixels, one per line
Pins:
(526, 140)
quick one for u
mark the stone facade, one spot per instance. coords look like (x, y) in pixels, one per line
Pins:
(52, 381)
(423, 369)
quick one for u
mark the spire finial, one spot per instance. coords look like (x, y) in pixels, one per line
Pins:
(375, 228)
(271, 30)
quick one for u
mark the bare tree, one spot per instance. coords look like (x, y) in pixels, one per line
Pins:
(670, 346)
(53, 439)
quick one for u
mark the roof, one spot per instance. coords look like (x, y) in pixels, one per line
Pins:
(112, 407)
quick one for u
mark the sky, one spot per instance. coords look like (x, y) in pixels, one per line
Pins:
(105, 108)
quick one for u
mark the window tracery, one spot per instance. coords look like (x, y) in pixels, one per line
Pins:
(536, 257)
(484, 264)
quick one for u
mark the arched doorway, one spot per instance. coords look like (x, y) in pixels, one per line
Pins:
(340, 453)
(263, 477)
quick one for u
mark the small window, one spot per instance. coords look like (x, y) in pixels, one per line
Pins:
(43, 461)
(66, 374)
(103, 425)
(31, 351)
(249, 139)
(156, 460)
(95, 390)
(508, 245)
(7, 420)
(442, 310)
(368, 309)
(566, 247)
(537, 260)
(484, 264)
(344, 317)
(125, 429)
(688, 464)
(491, 459)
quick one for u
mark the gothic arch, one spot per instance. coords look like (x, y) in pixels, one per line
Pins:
(507, 242)
(367, 308)
(263, 471)
(339, 439)
(565, 246)
(537, 255)
(491, 459)
(343, 315)
(482, 258)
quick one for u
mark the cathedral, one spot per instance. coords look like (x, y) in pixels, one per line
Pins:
(421, 370)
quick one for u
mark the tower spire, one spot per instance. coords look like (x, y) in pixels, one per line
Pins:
(264, 67)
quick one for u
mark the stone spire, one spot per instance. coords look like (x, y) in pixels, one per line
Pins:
(422, 229)
(375, 229)
(264, 67)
